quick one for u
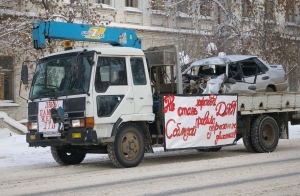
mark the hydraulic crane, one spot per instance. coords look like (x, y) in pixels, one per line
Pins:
(83, 32)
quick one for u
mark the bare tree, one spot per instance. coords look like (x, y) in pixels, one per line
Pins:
(238, 27)
(18, 16)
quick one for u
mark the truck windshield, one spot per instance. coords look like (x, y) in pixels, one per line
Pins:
(62, 75)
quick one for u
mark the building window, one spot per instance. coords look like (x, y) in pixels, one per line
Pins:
(269, 10)
(205, 8)
(157, 5)
(6, 78)
(103, 2)
(246, 8)
(183, 7)
(291, 11)
(131, 3)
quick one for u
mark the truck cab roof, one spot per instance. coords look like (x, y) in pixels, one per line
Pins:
(109, 50)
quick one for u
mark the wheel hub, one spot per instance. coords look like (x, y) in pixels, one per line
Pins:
(130, 146)
(268, 134)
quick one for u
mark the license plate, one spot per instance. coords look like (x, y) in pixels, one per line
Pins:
(51, 134)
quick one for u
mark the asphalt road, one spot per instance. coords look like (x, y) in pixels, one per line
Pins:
(231, 171)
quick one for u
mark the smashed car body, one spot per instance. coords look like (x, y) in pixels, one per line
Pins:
(233, 74)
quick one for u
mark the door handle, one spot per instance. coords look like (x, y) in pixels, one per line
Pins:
(129, 98)
(265, 78)
(252, 88)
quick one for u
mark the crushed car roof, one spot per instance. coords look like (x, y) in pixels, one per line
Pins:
(219, 60)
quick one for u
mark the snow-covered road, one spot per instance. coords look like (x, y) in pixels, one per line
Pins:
(231, 171)
(14, 150)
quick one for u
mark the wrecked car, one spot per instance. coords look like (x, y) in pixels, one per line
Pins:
(233, 74)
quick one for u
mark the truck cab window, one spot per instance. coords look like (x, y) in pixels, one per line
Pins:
(107, 104)
(121, 79)
(54, 76)
(110, 71)
(138, 71)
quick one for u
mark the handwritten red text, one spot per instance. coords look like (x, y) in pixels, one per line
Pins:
(169, 101)
(211, 101)
(183, 111)
(221, 136)
(215, 127)
(45, 115)
(183, 132)
(224, 109)
(206, 120)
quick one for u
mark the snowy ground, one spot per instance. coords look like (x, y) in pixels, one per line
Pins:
(14, 150)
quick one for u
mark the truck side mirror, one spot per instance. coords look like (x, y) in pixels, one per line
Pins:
(24, 74)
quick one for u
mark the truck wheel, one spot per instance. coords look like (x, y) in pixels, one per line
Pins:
(265, 134)
(129, 146)
(209, 149)
(66, 157)
(248, 143)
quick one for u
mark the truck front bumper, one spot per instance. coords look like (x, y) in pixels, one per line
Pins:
(74, 137)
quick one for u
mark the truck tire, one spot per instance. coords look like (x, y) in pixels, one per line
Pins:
(66, 157)
(129, 146)
(248, 143)
(264, 134)
(209, 149)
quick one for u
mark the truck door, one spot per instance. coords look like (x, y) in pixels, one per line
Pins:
(142, 94)
(113, 94)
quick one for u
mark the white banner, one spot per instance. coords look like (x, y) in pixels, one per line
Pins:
(200, 121)
(45, 121)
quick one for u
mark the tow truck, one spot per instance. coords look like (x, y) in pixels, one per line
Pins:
(122, 100)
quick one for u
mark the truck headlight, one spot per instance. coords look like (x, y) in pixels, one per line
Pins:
(78, 123)
(32, 126)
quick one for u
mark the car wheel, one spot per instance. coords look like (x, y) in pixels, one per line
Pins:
(269, 89)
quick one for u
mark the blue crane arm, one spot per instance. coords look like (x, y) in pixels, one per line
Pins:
(82, 32)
